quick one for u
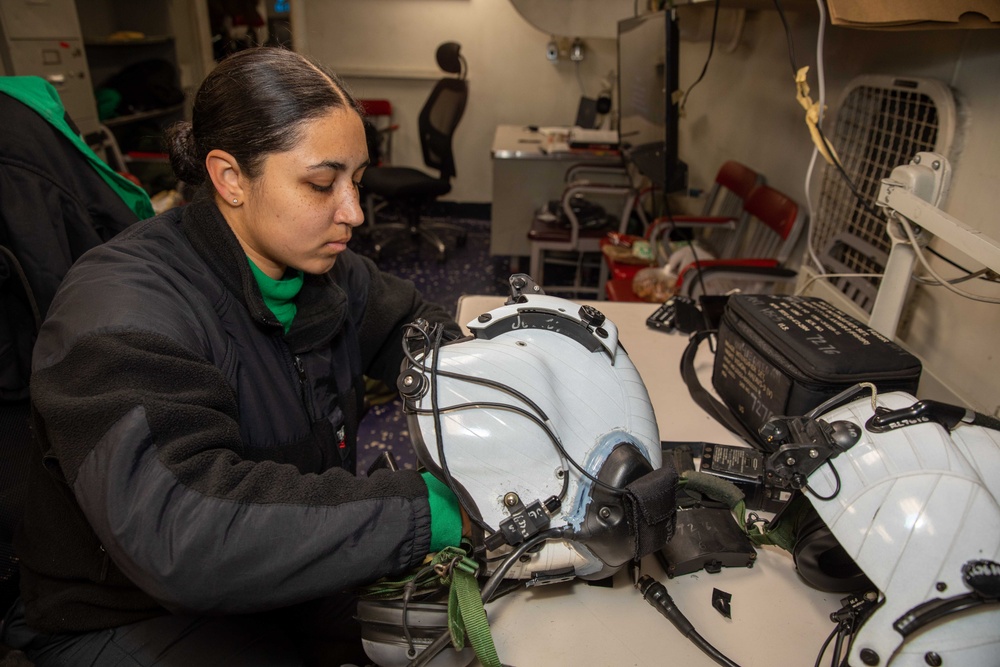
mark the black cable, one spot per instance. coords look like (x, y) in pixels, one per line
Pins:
(437, 413)
(838, 648)
(542, 420)
(486, 405)
(443, 463)
(933, 282)
(431, 651)
(543, 426)
(694, 253)
(822, 649)
(843, 174)
(988, 276)
(836, 163)
(487, 592)
(469, 378)
(708, 59)
(407, 635)
(788, 36)
(837, 400)
(491, 585)
(552, 436)
(506, 587)
(836, 490)
(986, 421)
(698, 269)
(876, 214)
(16, 265)
(829, 148)
(656, 594)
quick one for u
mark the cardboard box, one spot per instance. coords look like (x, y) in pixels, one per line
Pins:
(915, 14)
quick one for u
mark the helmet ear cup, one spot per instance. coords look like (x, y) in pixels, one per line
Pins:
(822, 562)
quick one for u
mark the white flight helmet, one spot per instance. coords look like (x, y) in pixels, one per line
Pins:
(918, 510)
(541, 392)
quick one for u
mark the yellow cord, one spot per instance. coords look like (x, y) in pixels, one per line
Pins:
(812, 116)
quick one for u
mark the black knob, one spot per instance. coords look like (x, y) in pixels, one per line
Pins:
(591, 316)
(869, 657)
(775, 431)
(411, 383)
(845, 434)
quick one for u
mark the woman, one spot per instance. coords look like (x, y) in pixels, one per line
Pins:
(197, 387)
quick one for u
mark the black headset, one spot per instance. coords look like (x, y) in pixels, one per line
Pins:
(820, 559)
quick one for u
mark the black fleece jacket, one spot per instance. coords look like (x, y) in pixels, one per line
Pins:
(53, 207)
(195, 458)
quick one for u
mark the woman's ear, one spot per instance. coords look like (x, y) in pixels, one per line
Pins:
(225, 173)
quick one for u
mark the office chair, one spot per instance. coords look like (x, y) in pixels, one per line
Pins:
(412, 190)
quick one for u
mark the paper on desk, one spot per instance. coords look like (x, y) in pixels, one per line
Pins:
(555, 139)
(552, 147)
(589, 137)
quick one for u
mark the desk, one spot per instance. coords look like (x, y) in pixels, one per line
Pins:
(776, 619)
(525, 178)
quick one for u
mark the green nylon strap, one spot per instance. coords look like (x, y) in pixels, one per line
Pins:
(784, 532)
(467, 617)
(781, 534)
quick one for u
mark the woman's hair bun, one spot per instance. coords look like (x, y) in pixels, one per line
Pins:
(187, 163)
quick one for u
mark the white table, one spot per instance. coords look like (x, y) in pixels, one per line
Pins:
(776, 619)
(526, 176)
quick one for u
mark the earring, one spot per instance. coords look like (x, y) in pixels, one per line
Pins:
(235, 200)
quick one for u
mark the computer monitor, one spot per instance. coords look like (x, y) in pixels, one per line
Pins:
(647, 117)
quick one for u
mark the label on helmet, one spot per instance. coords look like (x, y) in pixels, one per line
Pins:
(983, 577)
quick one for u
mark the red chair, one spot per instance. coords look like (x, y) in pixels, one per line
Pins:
(721, 214)
(756, 256)
(379, 112)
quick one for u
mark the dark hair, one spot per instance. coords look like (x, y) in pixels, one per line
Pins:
(251, 105)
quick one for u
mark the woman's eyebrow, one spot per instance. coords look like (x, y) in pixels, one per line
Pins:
(336, 165)
(329, 164)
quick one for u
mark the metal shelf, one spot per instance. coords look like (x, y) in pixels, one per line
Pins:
(117, 43)
(119, 121)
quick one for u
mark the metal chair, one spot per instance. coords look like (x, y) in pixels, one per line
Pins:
(567, 235)
(412, 190)
(753, 259)
(714, 226)
(763, 244)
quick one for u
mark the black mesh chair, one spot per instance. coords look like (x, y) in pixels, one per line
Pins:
(409, 190)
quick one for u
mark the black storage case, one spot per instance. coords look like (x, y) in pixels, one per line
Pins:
(784, 355)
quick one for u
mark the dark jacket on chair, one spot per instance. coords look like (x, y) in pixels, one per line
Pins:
(193, 454)
(54, 206)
